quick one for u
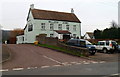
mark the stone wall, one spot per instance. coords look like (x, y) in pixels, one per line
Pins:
(74, 49)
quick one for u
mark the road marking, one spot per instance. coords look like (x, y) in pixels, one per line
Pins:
(78, 63)
(86, 63)
(52, 59)
(4, 70)
(17, 69)
(94, 62)
(32, 67)
(73, 62)
(67, 64)
(102, 62)
(115, 74)
(56, 65)
(45, 66)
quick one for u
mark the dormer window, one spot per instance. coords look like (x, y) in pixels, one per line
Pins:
(30, 27)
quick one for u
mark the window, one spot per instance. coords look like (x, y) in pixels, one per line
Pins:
(43, 26)
(51, 35)
(30, 27)
(60, 27)
(23, 39)
(74, 27)
(51, 27)
(67, 27)
(101, 43)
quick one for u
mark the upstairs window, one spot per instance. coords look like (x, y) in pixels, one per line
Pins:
(30, 27)
(51, 27)
(67, 27)
(60, 27)
(42, 26)
(74, 27)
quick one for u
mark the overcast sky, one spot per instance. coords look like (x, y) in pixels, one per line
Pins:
(94, 14)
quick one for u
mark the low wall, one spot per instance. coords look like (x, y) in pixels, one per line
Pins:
(74, 49)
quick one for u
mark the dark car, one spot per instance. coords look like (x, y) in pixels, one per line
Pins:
(82, 43)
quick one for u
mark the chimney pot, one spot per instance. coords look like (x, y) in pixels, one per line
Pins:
(32, 6)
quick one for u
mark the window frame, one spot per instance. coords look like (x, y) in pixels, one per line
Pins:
(74, 28)
(30, 27)
(67, 27)
(51, 27)
(59, 26)
(42, 26)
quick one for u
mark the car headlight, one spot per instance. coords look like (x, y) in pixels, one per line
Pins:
(89, 47)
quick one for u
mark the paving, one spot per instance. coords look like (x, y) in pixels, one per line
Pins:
(26, 56)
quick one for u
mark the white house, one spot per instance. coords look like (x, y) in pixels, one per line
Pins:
(52, 23)
(89, 35)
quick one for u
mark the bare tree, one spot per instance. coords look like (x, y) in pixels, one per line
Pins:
(114, 24)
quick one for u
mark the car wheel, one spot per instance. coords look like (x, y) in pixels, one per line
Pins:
(105, 50)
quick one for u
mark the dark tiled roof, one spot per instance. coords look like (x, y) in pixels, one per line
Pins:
(62, 32)
(54, 15)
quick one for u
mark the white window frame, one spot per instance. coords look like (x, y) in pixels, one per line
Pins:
(59, 26)
(74, 27)
(42, 26)
(51, 27)
(67, 27)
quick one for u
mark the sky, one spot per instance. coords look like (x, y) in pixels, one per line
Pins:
(94, 14)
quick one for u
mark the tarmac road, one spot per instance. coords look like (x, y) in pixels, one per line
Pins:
(26, 55)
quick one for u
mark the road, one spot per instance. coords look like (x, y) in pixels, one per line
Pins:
(81, 69)
(27, 59)
(30, 56)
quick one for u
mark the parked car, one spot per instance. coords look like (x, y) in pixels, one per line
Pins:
(107, 46)
(82, 43)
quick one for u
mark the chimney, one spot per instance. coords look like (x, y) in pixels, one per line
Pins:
(32, 6)
(72, 10)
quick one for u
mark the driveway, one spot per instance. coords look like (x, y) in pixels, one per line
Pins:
(29, 56)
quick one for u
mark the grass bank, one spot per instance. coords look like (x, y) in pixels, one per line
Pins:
(60, 49)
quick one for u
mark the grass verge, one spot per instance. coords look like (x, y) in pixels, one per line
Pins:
(61, 49)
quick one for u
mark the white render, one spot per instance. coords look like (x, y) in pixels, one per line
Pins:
(119, 13)
(30, 37)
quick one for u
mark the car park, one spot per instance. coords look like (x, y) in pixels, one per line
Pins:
(107, 46)
(82, 43)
